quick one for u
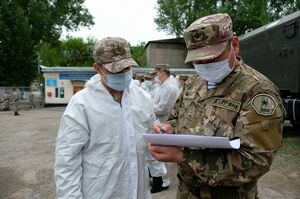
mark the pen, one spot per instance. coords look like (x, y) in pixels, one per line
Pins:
(159, 124)
(162, 131)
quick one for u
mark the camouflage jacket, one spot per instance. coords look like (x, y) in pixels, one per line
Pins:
(245, 105)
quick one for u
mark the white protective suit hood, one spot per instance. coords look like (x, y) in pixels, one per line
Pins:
(100, 151)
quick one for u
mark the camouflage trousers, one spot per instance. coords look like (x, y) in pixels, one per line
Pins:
(222, 192)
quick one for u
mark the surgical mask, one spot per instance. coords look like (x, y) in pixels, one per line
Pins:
(148, 84)
(157, 80)
(119, 81)
(214, 72)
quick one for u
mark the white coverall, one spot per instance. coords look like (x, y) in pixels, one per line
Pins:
(165, 98)
(164, 101)
(156, 168)
(100, 151)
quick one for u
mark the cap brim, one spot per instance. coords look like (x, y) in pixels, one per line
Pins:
(205, 53)
(117, 66)
(153, 72)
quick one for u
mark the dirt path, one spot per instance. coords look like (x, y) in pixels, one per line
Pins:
(27, 145)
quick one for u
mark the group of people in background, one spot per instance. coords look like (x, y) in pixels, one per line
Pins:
(11, 98)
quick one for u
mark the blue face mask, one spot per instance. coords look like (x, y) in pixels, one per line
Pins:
(119, 81)
(148, 84)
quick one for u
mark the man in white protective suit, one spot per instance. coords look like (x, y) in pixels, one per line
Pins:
(164, 101)
(100, 150)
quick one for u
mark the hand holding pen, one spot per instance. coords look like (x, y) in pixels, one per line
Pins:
(162, 128)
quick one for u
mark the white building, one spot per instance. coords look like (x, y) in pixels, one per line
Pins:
(61, 83)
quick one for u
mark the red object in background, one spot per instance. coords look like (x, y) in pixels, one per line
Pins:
(49, 94)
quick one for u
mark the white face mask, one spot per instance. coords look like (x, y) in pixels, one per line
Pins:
(214, 72)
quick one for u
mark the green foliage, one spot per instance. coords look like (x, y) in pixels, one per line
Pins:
(139, 54)
(174, 16)
(26, 23)
(18, 64)
(69, 52)
(77, 52)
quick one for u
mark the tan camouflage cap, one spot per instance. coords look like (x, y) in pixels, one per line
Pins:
(207, 37)
(148, 75)
(113, 53)
(162, 67)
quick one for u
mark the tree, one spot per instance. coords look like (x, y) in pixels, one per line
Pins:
(26, 23)
(69, 52)
(77, 52)
(17, 60)
(139, 54)
(174, 16)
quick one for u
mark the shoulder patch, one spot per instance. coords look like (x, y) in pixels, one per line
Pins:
(263, 104)
(226, 104)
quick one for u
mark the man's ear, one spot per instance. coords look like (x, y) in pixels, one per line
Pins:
(236, 45)
(96, 68)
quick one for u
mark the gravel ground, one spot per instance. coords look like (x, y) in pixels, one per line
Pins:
(27, 145)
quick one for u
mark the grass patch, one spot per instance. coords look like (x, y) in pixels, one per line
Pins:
(290, 147)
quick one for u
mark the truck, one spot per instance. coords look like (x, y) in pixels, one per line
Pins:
(274, 50)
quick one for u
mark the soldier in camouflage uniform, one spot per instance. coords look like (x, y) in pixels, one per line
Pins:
(6, 101)
(229, 99)
(16, 100)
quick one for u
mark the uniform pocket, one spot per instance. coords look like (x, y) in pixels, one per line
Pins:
(188, 112)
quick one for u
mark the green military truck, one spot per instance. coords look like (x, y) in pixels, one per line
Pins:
(274, 50)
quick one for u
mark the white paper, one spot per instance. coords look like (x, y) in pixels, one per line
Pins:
(192, 141)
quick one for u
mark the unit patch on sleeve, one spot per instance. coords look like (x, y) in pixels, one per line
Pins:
(263, 104)
(226, 104)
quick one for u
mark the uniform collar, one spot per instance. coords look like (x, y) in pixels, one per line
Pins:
(222, 89)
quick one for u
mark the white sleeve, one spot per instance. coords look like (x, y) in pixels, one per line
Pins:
(152, 117)
(72, 137)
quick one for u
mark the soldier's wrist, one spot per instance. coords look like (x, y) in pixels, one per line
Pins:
(182, 158)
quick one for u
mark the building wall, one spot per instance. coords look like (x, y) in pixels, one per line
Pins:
(166, 53)
(59, 91)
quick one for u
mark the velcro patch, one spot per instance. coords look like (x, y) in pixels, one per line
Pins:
(226, 104)
(263, 104)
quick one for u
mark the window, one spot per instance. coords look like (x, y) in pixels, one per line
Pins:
(62, 92)
(56, 92)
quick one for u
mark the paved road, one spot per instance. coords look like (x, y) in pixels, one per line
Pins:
(27, 145)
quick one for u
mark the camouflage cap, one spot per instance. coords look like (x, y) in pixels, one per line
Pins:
(114, 54)
(148, 75)
(162, 67)
(139, 76)
(207, 37)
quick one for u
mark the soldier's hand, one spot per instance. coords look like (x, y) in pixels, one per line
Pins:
(166, 153)
(162, 128)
